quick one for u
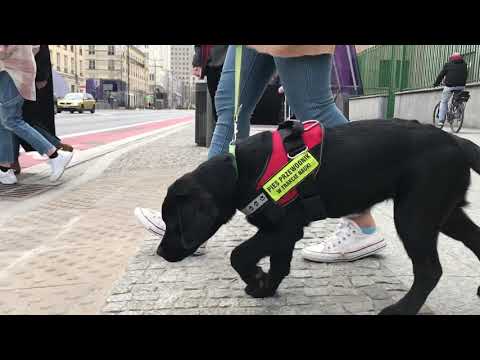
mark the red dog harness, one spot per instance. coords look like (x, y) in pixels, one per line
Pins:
(312, 136)
(292, 142)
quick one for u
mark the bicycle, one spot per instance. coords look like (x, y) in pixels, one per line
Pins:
(455, 112)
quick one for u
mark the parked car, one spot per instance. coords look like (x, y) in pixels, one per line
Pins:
(55, 106)
(77, 102)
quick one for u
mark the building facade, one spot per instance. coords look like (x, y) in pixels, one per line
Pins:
(181, 65)
(69, 62)
(117, 74)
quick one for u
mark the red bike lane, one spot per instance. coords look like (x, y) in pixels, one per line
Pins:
(89, 141)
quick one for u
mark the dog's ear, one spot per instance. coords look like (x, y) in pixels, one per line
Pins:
(197, 216)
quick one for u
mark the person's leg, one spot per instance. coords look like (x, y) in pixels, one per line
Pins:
(7, 145)
(7, 175)
(306, 83)
(213, 78)
(257, 69)
(446, 94)
(11, 118)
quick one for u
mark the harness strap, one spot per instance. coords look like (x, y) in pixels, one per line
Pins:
(291, 132)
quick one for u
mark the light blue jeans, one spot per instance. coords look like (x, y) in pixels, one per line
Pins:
(446, 95)
(51, 138)
(11, 121)
(306, 81)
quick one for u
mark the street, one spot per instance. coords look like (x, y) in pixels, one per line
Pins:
(68, 124)
(86, 131)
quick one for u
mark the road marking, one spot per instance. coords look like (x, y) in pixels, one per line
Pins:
(123, 127)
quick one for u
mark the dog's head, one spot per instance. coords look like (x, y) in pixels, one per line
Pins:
(191, 216)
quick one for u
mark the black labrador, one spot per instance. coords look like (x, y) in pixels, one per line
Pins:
(424, 170)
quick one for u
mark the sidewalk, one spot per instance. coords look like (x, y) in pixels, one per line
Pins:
(96, 258)
(208, 284)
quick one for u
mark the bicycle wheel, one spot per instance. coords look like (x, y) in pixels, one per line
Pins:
(457, 121)
(436, 110)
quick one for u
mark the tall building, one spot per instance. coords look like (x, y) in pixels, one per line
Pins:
(181, 65)
(69, 62)
(158, 60)
(118, 72)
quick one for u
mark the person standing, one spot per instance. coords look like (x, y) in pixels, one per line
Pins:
(208, 61)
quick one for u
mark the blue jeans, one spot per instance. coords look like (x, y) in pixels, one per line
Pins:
(306, 81)
(446, 94)
(11, 120)
(51, 138)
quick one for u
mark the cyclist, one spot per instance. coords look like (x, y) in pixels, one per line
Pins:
(454, 74)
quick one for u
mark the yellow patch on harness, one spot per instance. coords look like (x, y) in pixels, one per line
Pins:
(291, 175)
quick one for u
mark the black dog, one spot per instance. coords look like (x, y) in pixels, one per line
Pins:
(424, 170)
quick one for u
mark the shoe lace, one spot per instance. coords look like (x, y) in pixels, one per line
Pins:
(343, 231)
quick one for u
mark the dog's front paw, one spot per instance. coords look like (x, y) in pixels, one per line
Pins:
(260, 286)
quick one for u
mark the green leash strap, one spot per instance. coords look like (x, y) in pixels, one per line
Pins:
(238, 107)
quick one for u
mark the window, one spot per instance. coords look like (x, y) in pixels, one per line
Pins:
(65, 46)
(80, 50)
(111, 50)
(91, 64)
(58, 62)
(111, 65)
(81, 68)
(72, 70)
(65, 63)
(73, 88)
(71, 48)
(91, 49)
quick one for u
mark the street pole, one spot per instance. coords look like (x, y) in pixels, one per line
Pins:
(75, 48)
(128, 76)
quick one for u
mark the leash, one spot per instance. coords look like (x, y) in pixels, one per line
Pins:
(237, 106)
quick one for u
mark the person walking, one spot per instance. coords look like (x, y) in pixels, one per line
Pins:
(40, 114)
(305, 73)
(17, 83)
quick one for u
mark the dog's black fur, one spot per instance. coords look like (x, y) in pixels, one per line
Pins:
(424, 170)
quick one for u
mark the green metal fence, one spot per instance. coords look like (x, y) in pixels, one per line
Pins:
(386, 69)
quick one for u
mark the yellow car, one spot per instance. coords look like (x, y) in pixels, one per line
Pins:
(76, 102)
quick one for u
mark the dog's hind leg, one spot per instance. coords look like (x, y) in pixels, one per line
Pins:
(419, 235)
(460, 227)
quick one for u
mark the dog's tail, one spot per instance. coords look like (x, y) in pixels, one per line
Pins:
(471, 151)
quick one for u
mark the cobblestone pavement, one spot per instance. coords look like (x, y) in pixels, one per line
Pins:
(63, 256)
(208, 284)
(93, 257)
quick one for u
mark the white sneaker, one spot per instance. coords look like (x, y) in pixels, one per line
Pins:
(59, 164)
(347, 243)
(8, 177)
(151, 220)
